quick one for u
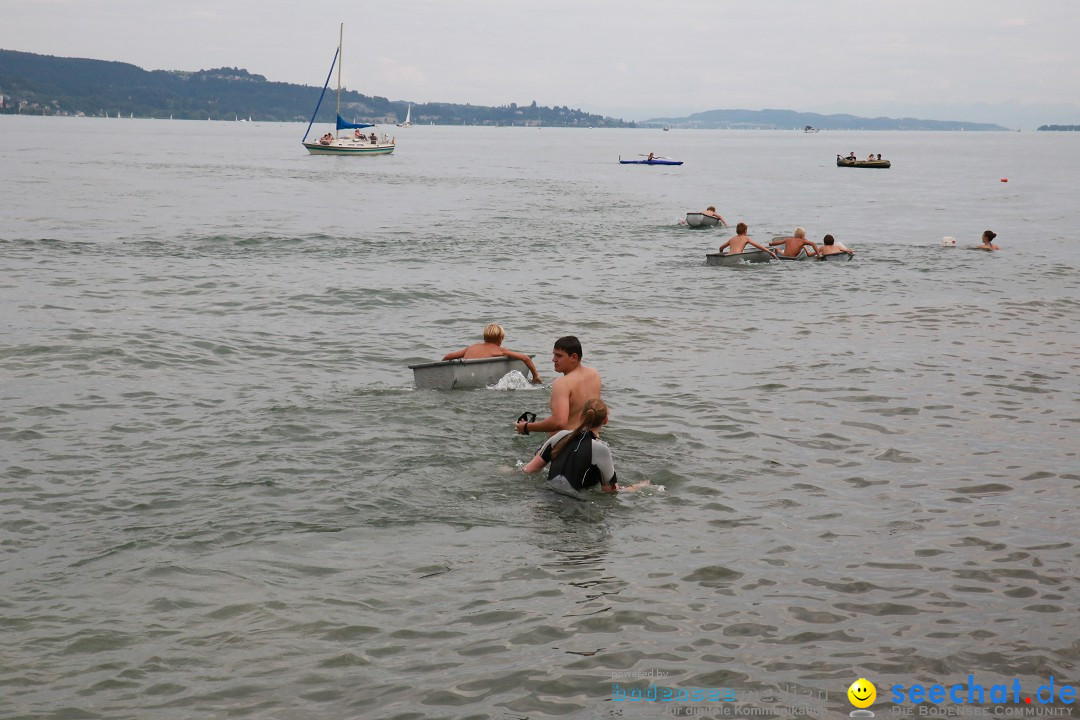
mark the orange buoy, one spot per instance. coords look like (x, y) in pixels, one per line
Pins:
(1004, 179)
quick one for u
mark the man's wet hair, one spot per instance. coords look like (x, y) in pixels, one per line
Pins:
(829, 240)
(569, 345)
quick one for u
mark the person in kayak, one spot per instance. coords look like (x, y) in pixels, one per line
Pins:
(578, 459)
(492, 347)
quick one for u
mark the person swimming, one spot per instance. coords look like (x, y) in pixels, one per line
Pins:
(987, 241)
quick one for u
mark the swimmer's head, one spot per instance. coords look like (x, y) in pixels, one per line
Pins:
(829, 240)
(494, 334)
(800, 232)
(741, 229)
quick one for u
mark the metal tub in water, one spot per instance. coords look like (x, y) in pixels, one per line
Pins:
(696, 219)
(727, 259)
(453, 374)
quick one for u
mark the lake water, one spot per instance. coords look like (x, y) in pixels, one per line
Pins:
(223, 497)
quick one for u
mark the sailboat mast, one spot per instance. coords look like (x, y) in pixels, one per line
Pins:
(341, 37)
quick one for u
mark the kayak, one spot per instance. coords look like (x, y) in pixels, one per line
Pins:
(654, 161)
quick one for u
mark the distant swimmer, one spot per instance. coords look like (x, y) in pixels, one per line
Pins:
(578, 459)
(987, 241)
(738, 243)
(794, 245)
(578, 385)
(831, 247)
(711, 212)
(492, 347)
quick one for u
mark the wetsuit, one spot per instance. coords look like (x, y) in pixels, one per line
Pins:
(582, 463)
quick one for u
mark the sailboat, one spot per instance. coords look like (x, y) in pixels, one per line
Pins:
(408, 118)
(334, 143)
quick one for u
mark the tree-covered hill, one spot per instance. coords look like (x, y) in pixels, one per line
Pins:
(48, 85)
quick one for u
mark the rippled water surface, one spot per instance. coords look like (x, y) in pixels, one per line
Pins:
(223, 497)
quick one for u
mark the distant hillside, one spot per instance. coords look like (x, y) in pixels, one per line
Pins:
(789, 119)
(46, 85)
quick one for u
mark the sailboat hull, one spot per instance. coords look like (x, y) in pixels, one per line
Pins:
(339, 147)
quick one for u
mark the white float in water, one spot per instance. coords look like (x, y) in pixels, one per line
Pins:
(948, 241)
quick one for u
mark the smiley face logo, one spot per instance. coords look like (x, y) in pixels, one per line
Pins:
(862, 693)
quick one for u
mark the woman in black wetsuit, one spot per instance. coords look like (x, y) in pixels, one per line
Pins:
(578, 458)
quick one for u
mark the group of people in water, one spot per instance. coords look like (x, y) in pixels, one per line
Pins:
(793, 245)
(575, 456)
(797, 243)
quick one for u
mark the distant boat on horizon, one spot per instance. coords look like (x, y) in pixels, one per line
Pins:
(408, 118)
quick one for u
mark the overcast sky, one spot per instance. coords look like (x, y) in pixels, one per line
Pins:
(1006, 61)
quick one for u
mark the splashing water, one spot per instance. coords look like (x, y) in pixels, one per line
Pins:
(512, 380)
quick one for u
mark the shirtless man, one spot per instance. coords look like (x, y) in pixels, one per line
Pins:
(793, 245)
(568, 393)
(831, 247)
(492, 347)
(738, 243)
